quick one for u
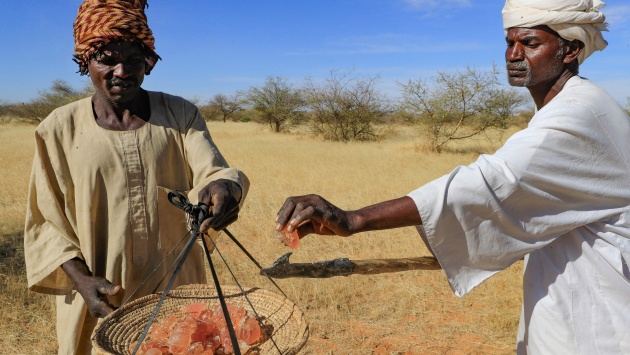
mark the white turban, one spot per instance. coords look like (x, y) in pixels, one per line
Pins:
(571, 19)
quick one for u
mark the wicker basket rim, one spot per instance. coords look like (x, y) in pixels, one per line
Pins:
(122, 327)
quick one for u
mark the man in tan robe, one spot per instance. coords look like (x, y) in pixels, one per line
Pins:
(99, 227)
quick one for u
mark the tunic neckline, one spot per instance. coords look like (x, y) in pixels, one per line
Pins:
(93, 117)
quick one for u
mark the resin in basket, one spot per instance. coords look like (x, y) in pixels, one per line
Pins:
(279, 315)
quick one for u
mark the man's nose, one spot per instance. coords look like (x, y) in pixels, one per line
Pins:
(121, 71)
(514, 53)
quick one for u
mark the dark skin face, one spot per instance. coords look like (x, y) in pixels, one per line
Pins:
(537, 58)
(117, 72)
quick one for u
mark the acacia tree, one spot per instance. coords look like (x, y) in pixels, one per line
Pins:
(459, 105)
(277, 102)
(60, 93)
(224, 104)
(345, 108)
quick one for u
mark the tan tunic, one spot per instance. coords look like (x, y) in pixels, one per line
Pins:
(100, 195)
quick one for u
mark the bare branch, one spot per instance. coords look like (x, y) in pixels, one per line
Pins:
(344, 107)
(459, 105)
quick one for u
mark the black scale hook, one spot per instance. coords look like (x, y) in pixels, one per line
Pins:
(196, 214)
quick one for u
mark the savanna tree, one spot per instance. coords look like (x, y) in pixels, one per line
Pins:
(60, 93)
(459, 105)
(345, 108)
(225, 105)
(277, 103)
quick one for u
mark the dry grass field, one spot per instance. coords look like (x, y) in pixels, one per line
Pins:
(411, 312)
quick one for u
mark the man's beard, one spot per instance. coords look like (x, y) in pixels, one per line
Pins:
(522, 65)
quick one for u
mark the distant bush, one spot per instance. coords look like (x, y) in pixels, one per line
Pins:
(277, 103)
(225, 106)
(459, 105)
(60, 93)
(345, 108)
(522, 118)
(208, 113)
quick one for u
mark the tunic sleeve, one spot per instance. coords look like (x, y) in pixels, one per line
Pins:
(560, 173)
(205, 161)
(49, 237)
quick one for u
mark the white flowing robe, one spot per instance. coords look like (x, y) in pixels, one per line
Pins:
(558, 194)
(101, 195)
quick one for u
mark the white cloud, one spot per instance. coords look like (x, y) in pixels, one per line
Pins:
(617, 16)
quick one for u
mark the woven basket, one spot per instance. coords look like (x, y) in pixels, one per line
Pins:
(290, 330)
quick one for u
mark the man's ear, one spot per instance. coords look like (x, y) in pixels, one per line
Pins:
(574, 48)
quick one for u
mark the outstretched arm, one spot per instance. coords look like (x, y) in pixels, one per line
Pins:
(313, 214)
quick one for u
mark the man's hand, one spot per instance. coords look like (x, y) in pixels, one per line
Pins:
(223, 196)
(313, 214)
(93, 289)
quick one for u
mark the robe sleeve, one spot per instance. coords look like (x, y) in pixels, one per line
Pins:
(49, 234)
(557, 175)
(205, 161)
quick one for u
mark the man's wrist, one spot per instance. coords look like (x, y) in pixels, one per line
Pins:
(355, 222)
(76, 268)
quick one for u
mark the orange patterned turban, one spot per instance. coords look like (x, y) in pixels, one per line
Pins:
(100, 21)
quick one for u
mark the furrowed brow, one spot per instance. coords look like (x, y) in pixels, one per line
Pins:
(530, 38)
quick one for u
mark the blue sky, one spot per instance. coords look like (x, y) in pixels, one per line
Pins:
(211, 47)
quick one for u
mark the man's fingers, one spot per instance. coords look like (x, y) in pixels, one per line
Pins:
(106, 288)
(218, 224)
(115, 290)
(220, 221)
(301, 214)
(206, 225)
(218, 204)
(100, 309)
(99, 306)
(231, 219)
(297, 210)
(284, 214)
(313, 227)
(225, 210)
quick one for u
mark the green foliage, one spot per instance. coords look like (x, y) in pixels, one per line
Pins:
(224, 106)
(277, 103)
(459, 105)
(60, 93)
(345, 108)
(627, 107)
(208, 113)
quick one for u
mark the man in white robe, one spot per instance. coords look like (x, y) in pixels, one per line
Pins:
(557, 193)
(99, 227)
